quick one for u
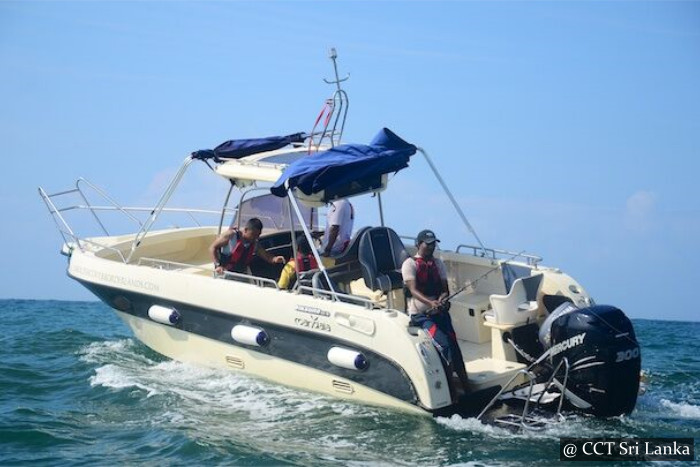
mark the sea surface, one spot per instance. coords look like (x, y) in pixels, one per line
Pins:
(77, 389)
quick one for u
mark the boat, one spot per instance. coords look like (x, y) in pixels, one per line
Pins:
(532, 338)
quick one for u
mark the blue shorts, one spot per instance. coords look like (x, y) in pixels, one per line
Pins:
(439, 327)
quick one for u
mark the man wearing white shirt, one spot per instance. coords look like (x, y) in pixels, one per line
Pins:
(339, 223)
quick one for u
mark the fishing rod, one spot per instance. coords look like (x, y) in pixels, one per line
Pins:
(434, 309)
(472, 283)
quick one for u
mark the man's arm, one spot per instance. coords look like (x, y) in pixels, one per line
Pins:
(214, 248)
(411, 284)
(332, 237)
(264, 254)
(445, 291)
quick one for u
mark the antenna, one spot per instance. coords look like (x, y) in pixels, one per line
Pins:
(333, 55)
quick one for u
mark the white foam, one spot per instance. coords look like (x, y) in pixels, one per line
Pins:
(217, 405)
(457, 423)
(200, 391)
(335, 442)
(95, 351)
(112, 376)
(572, 426)
(121, 352)
(682, 409)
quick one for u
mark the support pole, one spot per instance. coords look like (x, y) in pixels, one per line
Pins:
(452, 199)
(307, 233)
(159, 207)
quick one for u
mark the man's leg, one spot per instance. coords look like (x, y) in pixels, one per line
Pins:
(454, 353)
(442, 343)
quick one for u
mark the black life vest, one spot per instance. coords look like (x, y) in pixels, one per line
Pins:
(236, 256)
(428, 280)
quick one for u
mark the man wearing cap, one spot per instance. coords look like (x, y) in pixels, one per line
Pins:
(425, 277)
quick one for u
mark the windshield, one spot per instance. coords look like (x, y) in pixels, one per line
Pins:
(274, 213)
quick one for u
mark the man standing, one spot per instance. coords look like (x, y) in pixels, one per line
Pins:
(339, 221)
(425, 277)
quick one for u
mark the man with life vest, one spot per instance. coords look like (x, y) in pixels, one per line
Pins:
(234, 250)
(425, 277)
(304, 261)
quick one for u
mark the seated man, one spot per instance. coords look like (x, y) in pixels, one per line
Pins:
(304, 261)
(233, 251)
(425, 276)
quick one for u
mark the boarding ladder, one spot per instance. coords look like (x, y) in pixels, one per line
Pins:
(526, 419)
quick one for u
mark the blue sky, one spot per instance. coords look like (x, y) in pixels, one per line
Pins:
(566, 129)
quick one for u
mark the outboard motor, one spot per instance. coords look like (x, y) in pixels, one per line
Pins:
(604, 359)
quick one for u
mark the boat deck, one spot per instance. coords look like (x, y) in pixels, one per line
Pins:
(484, 371)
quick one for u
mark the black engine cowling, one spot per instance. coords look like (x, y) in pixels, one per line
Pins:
(603, 356)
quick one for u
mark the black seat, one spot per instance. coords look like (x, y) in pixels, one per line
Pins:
(381, 254)
(551, 302)
(350, 253)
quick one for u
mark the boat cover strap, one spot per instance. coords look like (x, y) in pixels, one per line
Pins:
(346, 163)
(237, 148)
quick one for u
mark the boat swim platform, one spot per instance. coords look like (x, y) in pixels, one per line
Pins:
(484, 371)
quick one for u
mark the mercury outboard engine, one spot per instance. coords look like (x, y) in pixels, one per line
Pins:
(603, 356)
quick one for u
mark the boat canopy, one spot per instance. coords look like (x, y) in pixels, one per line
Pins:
(238, 148)
(348, 169)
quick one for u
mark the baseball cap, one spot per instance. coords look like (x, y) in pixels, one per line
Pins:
(427, 236)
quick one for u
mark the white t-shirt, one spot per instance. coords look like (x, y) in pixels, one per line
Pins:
(339, 213)
(408, 272)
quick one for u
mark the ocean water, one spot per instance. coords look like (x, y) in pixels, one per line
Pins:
(77, 389)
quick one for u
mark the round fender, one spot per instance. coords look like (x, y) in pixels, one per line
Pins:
(250, 335)
(347, 358)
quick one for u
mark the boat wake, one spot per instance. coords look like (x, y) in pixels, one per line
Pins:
(218, 407)
(682, 410)
(218, 410)
(126, 364)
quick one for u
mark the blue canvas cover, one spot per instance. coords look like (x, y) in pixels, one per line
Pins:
(237, 148)
(341, 165)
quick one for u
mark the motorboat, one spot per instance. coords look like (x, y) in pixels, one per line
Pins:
(531, 336)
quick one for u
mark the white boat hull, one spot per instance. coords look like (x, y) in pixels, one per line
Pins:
(404, 369)
(188, 347)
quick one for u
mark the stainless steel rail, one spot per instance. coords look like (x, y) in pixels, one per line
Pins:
(71, 237)
(159, 206)
(493, 252)
(259, 281)
(337, 296)
(175, 266)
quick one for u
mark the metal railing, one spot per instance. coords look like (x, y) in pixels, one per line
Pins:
(167, 265)
(71, 237)
(117, 251)
(495, 253)
(263, 282)
(175, 266)
(337, 296)
(491, 253)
